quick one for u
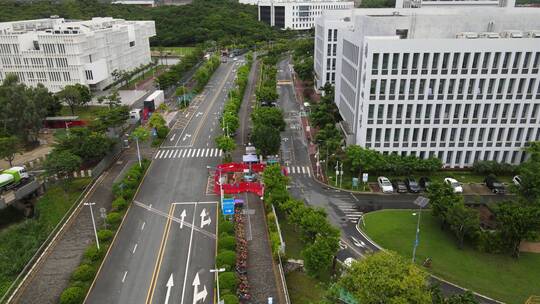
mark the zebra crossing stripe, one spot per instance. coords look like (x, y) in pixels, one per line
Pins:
(198, 151)
(308, 172)
(220, 153)
(289, 169)
(184, 152)
(173, 155)
(157, 154)
(168, 154)
(188, 153)
(206, 152)
(303, 170)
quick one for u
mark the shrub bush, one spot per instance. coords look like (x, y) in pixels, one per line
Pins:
(114, 218)
(72, 295)
(492, 167)
(84, 273)
(228, 281)
(119, 204)
(230, 299)
(162, 132)
(227, 243)
(93, 254)
(105, 235)
(226, 227)
(227, 259)
(128, 194)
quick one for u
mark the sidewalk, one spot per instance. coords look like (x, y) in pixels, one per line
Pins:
(262, 272)
(52, 274)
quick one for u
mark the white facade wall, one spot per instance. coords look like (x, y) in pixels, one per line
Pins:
(57, 53)
(297, 15)
(432, 94)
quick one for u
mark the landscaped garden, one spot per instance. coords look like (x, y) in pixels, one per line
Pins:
(495, 275)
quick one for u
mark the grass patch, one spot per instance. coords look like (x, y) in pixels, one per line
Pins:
(497, 276)
(86, 113)
(304, 289)
(19, 242)
(293, 244)
(175, 51)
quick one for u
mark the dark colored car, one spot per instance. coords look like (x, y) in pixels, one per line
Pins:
(424, 182)
(399, 186)
(494, 185)
(412, 185)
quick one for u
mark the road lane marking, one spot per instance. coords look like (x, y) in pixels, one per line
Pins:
(142, 227)
(124, 278)
(134, 249)
(188, 153)
(189, 254)
(158, 154)
(184, 153)
(161, 253)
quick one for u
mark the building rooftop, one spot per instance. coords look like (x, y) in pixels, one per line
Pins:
(58, 26)
(454, 22)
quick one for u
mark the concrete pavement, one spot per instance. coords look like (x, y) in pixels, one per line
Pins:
(157, 239)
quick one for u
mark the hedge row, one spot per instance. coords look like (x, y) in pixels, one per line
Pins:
(203, 74)
(226, 258)
(177, 71)
(82, 277)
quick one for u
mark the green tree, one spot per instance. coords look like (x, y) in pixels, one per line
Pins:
(464, 221)
(386, 277)
(156, 120)
(84, 93)
(71, 96)
(319, 256)
(230, 122)
(61, 162)
(88, 144)
(226, 144)
(112, 100)
(266, 93)
(266, 139)
(268, 116)
(110, 118)
(516, 222)
(530, 179)
(304, 69)
(9, 146)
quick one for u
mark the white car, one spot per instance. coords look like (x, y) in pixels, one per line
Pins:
(385, 185)
(517, 180)
(454, 184)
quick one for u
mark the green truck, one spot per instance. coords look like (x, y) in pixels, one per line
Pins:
(13, 177)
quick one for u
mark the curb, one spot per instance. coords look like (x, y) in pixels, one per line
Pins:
(437, 278)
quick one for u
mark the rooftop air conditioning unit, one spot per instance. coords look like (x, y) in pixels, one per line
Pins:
(467, 35)
(534, 34)
(512, 34)
(489, 35)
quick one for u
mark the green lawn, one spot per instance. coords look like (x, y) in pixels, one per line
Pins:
(497, 276)
(20, 241)
(87, 113)
(176, 51)
(303, 289)
(293, 244)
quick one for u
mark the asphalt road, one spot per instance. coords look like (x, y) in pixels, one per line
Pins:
(344, 209)
(163, 254)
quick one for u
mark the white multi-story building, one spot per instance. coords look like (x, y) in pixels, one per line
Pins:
(297, 15)
(458, 84)
(57, 52)
(454, 3)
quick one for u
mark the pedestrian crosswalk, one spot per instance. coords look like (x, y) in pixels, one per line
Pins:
(188, 153)
(305, 170)
(352, 213)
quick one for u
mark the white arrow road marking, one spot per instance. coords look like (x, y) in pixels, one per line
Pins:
(172, 138)
(198, 296)
(169, 285)
(182, 217)
(186, 137)
(203, 221)
(199, 114)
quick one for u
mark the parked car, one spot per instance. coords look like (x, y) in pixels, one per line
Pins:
(454, 184)
(494, 185)
(385, 185)
(412, 185)
(517, 180)
(400, 186)
(424, 182)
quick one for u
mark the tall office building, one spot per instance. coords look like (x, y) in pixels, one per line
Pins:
(58, 52)
(459, 84)
(296, 15)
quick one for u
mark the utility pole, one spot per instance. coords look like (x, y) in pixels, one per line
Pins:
(93, 222)
(341, 173)
(337, 172)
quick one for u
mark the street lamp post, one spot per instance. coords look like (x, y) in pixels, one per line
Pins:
(93, 222)
(421, 202)
(337, 172)
(217, 271)
(341, 173)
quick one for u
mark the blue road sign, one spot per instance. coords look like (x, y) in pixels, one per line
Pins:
(227, 206)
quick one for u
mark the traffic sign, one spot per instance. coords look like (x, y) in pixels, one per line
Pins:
(355, 181)
(227, 206)
(364, 177)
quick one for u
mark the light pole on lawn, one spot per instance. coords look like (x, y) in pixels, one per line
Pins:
(93, 222)
(217, 271)
(421, 202)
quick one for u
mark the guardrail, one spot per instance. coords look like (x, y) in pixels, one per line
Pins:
(21, 280)
(280, 266)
